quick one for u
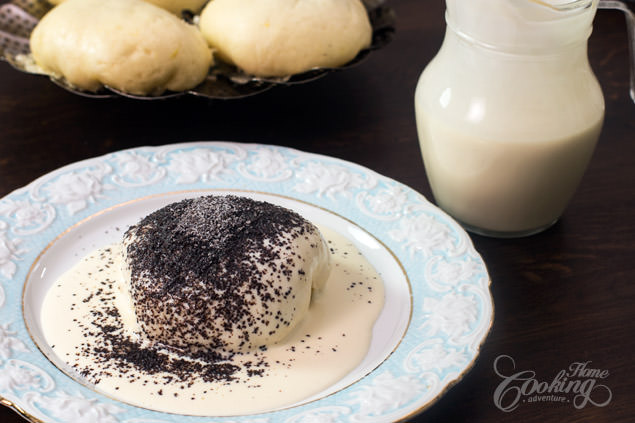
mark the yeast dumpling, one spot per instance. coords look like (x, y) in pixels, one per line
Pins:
(223, 272)
(174, 6)
(129, 45)
(284, 37)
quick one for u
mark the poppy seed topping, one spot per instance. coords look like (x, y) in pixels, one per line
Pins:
(222, 272)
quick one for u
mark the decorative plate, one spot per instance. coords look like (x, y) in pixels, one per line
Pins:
(19, 17)
(438, 307)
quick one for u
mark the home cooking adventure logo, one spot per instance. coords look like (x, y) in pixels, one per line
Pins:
(579, 384)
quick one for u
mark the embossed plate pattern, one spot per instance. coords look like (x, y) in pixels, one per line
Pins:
(451, 306)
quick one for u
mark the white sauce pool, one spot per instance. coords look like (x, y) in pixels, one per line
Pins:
(329, 343)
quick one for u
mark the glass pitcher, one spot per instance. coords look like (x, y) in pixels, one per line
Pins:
(509, 112)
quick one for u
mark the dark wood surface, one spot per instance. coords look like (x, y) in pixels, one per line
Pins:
(564, 296)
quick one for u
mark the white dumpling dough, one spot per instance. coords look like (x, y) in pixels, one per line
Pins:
(129, 45)
(285, 37)
(174, 6)
(222, 272)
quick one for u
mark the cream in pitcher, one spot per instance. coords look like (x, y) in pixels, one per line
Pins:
(509, 112)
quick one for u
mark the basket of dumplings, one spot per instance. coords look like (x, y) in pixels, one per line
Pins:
(212, 48)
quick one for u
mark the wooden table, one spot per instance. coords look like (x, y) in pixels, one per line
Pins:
(564, 296)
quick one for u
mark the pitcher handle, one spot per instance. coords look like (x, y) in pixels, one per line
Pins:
(625, 6)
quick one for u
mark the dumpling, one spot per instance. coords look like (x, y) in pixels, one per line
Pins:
(174, 6)
(223, 272)
(285, 37)
(129, 45)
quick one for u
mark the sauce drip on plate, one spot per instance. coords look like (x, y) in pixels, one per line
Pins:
(95, 333)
